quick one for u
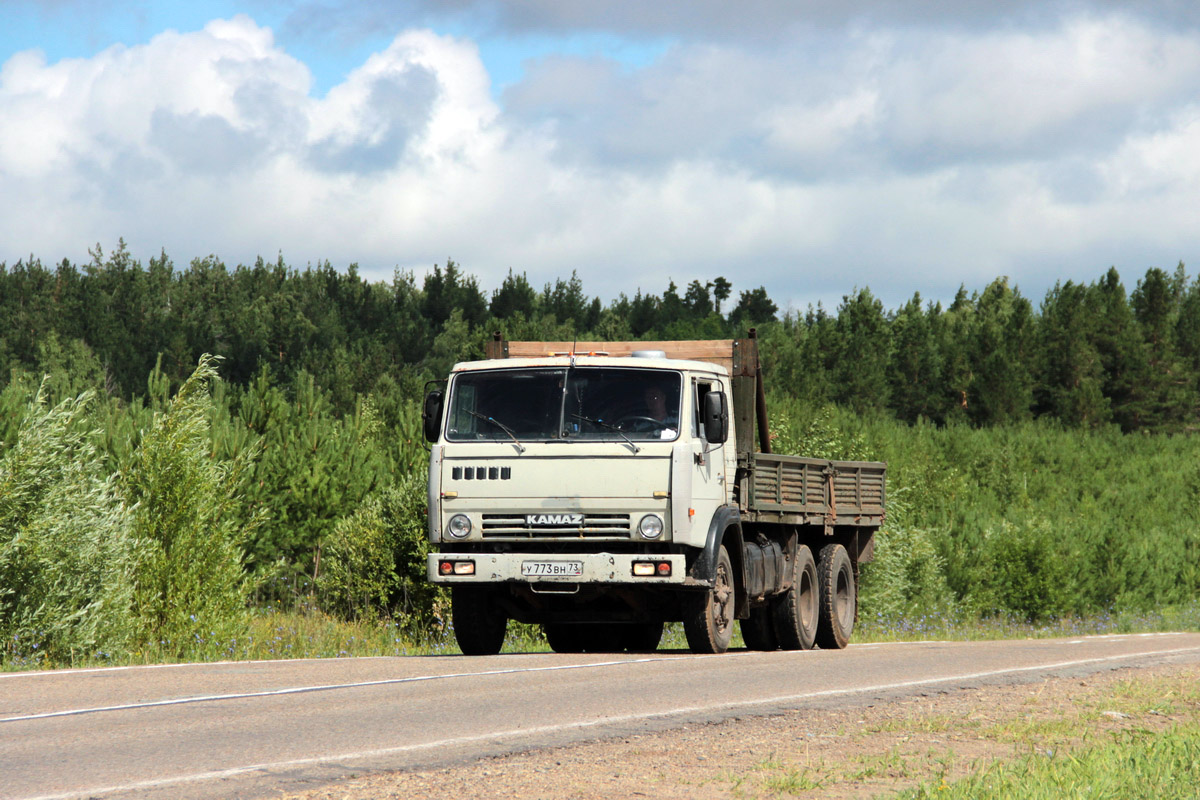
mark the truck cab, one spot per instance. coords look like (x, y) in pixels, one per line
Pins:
(571, 489)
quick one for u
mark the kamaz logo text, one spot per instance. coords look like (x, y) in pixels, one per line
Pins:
(554, 519)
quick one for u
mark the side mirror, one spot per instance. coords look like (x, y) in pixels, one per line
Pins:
(431, 416)
(716, 418)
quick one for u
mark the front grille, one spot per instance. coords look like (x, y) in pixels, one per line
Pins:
(518, 526)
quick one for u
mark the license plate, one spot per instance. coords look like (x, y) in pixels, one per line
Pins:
(552, 569)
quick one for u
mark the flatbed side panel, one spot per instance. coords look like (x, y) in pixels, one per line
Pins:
(839, 491)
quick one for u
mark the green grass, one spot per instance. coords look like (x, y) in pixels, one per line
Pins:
(949, 628)
(1135, 764)
(307, 632)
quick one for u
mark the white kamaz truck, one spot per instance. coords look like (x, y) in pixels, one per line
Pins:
(602, 489)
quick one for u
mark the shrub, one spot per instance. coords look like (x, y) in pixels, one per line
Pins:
(907, 576)
(374, 562)
(1021, 571)
(188, 525)
(66, 551)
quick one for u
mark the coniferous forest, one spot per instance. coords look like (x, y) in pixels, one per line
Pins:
(178, 445)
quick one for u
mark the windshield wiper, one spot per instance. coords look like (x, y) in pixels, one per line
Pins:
(610, 427)
(501, 426)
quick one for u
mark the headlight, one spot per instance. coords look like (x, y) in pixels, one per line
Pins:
(459, 526)
(651, 526)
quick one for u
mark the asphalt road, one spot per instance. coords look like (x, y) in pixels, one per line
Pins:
(255, 729)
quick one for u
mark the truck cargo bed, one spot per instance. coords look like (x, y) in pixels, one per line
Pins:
(811, 491)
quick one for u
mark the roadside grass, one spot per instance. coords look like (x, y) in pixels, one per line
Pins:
(1135, 738)
(304, 631)
(951, 628)
(1136, 764)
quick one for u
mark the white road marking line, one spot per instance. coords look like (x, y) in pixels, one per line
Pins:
(176, 780)
(44, 673)
(333, 686)
(413, 679)
(57, 673)
(48, 673)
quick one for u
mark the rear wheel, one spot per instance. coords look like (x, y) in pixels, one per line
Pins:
(758, 630)
(708, 619)
(838, 598)
(796, 611)
(564, 638)
(479, 624)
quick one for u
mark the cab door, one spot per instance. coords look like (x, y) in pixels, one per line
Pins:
(708, 460)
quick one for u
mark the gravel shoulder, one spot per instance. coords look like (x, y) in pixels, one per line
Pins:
(852, 752)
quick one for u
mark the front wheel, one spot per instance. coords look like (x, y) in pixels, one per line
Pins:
(839, 597)
(479, 624)
(708, 618)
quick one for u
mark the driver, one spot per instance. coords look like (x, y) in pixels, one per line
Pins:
(656, 404)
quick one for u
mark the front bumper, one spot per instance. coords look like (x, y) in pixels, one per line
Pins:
(606, 568)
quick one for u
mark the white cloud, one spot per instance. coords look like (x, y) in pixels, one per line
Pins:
(816, 131)
(210, 142)
(1013, 93)
(900, 159)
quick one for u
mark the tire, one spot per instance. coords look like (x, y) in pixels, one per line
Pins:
(643, 637)
(564, 638)
(839, 597)
(758, 630)
(708, 615)
(796, 612)
(479, 624)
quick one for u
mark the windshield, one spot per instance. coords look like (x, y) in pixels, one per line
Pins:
(584, 403)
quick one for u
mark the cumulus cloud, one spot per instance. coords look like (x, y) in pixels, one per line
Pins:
(211, 140)
(908, 101)
(903, 158)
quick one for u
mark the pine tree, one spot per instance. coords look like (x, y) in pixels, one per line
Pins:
(860, 367)
(1001, 349)
(1070, 372)
(450, 290)
(515, 295)
(1165, 396)
(1187, 340)
(915, 368)
(754, 307)
(566, 301)
(1121, 353)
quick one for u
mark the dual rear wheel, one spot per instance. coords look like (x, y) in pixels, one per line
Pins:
(818, 609)
(838, 597)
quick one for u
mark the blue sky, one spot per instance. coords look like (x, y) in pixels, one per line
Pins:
(805, 146)
(78, 30)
